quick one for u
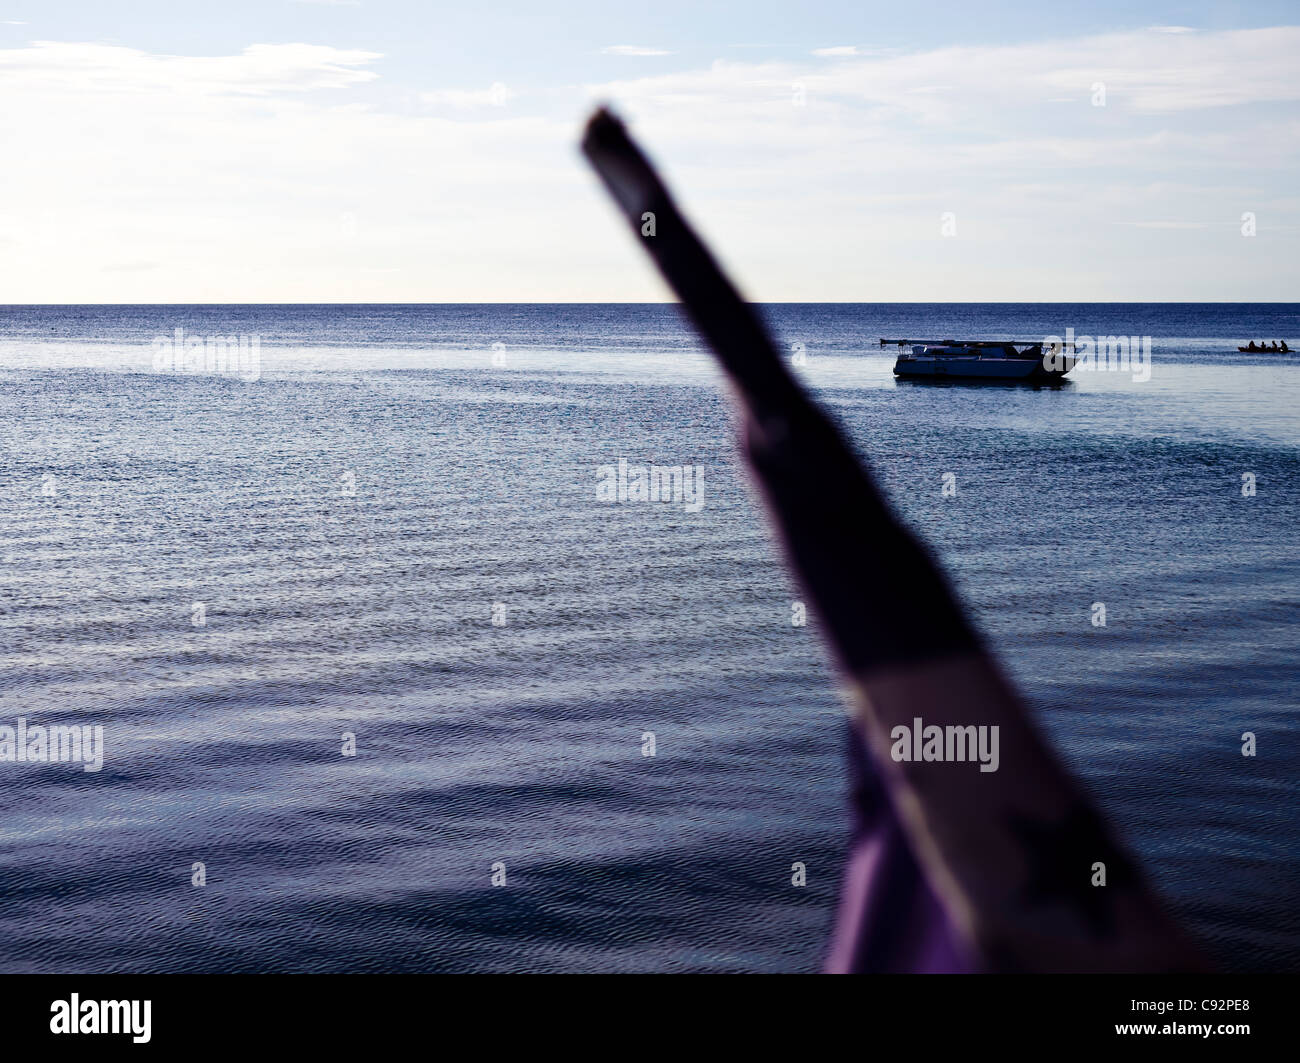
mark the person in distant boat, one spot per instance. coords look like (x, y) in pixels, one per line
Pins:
(1285, 348)
(1251, 346)
(1273, 347)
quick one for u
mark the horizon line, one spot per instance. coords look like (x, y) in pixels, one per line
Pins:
(669, 302)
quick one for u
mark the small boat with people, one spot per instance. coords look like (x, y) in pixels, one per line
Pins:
(1264, 347)
(979, 360)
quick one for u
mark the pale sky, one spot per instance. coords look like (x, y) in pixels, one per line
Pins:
(396, 151)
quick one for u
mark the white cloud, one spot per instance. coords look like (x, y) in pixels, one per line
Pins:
(1141, 72)
(495, 95)
(1171, 29)
(261, 69)
(968, 129)
(840, 49)
(230, 174)
(632, 49)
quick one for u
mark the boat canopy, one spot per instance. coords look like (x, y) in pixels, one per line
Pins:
(960, 343)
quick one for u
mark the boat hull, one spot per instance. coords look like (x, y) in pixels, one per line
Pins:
(1027, 370)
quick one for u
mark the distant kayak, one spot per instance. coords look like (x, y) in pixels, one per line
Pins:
(1284, 349)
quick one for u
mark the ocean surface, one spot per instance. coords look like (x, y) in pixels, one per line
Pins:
(386, 525)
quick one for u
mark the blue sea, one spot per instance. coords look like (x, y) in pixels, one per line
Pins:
(386, 526)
